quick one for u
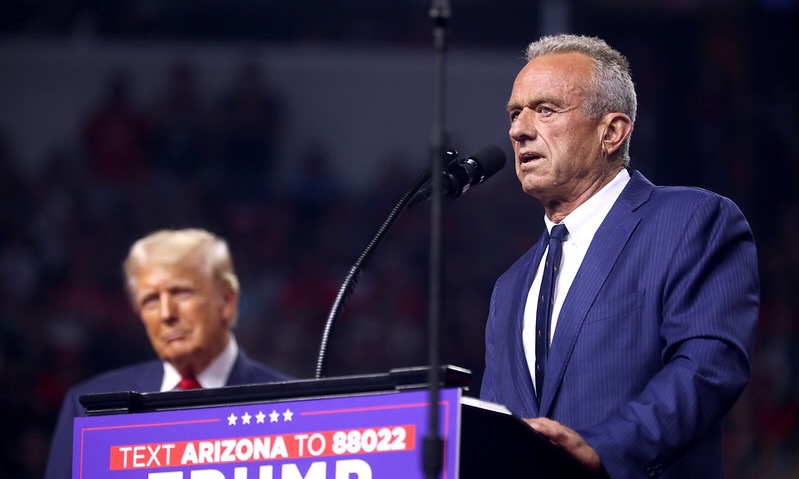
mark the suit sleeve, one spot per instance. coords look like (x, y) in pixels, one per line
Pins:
(59, 460)
(710, 306)
(488, 388)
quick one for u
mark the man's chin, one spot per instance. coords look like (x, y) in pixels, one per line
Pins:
(533, 189)
(177, 353)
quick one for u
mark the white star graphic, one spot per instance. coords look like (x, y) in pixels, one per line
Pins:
(245, 419)
(259, 418)
(288, 415)
(231, 420)
(274, 416)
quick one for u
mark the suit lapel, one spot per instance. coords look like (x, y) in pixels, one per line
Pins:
(240, 374)
(523, 382)
(608, 243)
(149, 378)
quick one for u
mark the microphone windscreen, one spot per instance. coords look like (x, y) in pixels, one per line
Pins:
(491, 158)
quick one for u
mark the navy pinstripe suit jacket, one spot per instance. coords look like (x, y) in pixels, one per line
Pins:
(654, 339)
(141, 377)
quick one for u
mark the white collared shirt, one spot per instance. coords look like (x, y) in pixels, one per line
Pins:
(214, 376)
(582, 224)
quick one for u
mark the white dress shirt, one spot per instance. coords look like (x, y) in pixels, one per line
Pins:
(582, 224)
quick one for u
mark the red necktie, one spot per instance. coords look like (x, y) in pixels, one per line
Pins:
(189, 383)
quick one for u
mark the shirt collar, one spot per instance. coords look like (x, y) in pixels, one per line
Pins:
(214, 376)
(584, 221)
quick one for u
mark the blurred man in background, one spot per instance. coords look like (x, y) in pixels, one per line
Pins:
(183, 286)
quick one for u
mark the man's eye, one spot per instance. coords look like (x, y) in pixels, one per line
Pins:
(148, 301)
(513, 115)
(182, 292)
(545, 110)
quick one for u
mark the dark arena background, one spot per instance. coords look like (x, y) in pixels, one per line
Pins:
(292, 128)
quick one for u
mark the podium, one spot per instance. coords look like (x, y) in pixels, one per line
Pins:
(348, 427)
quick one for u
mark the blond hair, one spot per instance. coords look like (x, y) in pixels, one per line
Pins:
(174, 247)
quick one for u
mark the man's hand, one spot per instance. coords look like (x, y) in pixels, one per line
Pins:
(569, 440)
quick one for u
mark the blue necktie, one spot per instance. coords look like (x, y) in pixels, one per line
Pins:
(546, 300)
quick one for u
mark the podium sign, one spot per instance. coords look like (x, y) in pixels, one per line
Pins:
(351, 437)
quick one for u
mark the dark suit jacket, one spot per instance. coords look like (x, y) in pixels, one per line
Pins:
(654, 339)
(141, 377)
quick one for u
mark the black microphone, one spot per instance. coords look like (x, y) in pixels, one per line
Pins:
(460, 174)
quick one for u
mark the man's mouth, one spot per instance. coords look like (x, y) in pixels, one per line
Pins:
(529, 157)
(174, 336)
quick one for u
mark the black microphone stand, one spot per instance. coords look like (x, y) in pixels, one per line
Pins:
(433, 445)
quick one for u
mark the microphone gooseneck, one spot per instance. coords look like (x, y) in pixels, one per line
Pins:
(490, 157)
(348, 286)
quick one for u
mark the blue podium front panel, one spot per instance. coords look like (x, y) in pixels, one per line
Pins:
(353, 437)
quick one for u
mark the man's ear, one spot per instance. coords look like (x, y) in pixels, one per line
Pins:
(617, 127)
(230, 304)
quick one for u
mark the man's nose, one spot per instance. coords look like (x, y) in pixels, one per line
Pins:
(167, 306)
(522, 126)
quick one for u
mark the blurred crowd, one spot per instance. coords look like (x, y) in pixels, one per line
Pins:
(186, 160)
(725, 119)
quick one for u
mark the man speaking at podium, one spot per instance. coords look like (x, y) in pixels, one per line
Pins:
(183, 286)
(625, 334)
